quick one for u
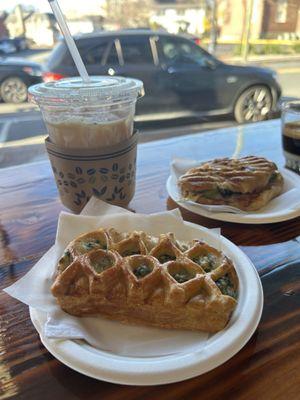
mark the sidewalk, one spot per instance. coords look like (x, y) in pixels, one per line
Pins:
(267, 58)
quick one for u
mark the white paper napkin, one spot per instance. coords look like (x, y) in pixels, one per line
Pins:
(289, 199)
(34, 288)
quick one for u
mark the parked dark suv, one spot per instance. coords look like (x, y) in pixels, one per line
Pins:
(180, 78)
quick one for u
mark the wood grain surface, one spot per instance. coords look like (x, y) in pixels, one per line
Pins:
(266, 368)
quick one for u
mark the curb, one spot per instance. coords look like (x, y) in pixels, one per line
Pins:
(280, 58)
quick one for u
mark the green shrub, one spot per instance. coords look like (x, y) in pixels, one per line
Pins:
(296, 48)
(266, 49)
(237, 50)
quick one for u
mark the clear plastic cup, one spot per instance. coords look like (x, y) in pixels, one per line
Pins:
(88, 115)
(290, 123)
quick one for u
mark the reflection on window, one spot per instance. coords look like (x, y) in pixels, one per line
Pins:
(112, 57)
(102, 54)
(94, 54)
(136, 52)
(281, 11)
(181, 51)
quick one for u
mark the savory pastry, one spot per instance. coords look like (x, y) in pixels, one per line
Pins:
(141, 279)
(247, 183)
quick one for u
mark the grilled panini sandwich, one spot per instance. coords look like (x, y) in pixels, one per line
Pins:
(247, 183)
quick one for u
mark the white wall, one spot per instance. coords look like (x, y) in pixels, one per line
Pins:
(171, 20)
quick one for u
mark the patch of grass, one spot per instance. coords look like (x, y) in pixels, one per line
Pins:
(266, 49)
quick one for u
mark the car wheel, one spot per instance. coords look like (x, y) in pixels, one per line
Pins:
(13, 90)
(254, 104)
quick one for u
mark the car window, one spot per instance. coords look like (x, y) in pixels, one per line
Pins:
(136, 50)
(181, 51)
(111, 57)
(94, 54)
(59, 56)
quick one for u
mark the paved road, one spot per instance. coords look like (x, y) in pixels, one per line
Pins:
(24, 124)
(22, 132)
(290, 81)
(288, 76)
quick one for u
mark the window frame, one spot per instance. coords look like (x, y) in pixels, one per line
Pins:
(152, 47)
(107, 51)
(104, 42)
(119, 52)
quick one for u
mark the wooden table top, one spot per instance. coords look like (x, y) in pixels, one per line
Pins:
(266, 368)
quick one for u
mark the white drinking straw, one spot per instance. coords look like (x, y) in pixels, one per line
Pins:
(69, 40)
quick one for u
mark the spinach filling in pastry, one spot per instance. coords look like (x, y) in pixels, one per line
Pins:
(137, 278)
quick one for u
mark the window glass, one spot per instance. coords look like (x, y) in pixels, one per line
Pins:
(94, 54)
(60, 56)
(281, 11)
(112, 56)
(181, 51)
(136, 50)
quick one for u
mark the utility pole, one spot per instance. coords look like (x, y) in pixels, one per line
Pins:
(247, 31)
(213, 23)
(21, 20)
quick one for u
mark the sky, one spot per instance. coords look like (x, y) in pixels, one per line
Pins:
(43, 5)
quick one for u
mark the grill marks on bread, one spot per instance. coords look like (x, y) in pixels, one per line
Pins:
(247, 183)
(245, 175)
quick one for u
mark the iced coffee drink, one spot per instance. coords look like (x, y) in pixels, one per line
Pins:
(80, 115)
(86, 132)
(92, 144)
(291, 134)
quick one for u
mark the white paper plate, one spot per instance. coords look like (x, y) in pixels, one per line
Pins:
(220, 347)
(263, 216)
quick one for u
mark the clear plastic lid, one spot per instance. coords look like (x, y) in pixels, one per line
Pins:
(101, 89)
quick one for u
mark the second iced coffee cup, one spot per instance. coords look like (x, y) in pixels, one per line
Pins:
(90, 127)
